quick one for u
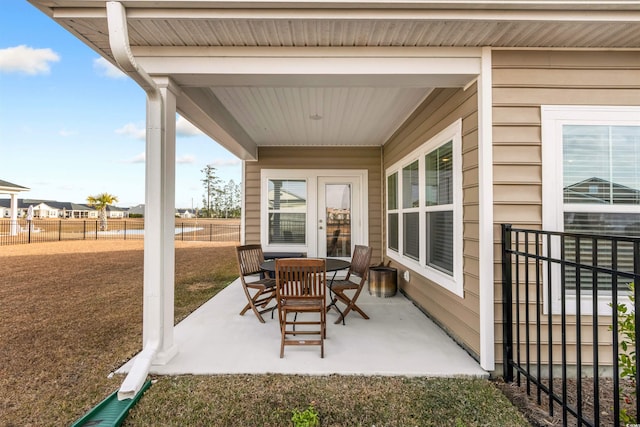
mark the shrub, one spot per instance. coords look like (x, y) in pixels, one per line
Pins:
(307, 418)
(627, 355)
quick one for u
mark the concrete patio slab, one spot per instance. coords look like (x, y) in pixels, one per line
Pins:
(398, 340)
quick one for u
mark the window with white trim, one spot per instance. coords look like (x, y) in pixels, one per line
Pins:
(591, 184)
(287, 211)
(424, 209)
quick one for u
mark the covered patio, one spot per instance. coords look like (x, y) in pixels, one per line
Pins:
(358, 94)
(398, 340)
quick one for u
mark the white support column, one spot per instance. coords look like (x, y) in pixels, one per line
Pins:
(159, 228)
(14, 214)
(485, 172)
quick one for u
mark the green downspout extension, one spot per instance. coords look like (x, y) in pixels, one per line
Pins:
(111, 412)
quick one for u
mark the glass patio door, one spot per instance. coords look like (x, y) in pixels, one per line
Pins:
(337, 214)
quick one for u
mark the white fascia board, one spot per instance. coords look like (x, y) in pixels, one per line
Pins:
(322, 70)
(335, 67)
(576, 12)
(301, 65)
(325, 80)
(209, 115)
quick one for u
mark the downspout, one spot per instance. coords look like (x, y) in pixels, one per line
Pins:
(119, 43)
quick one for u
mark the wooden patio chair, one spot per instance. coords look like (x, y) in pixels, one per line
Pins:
(359, 268)
(301, 289)
(263, 288)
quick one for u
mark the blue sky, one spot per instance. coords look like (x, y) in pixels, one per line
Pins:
(72, 126)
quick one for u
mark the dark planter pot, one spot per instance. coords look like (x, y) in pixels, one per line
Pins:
(383, 281)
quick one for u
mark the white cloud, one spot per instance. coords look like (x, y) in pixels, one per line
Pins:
(224, 162)
(65, 132)
(186, 159)
(132, 130)
(140, 158)
(107, 69)
(25, 59)
(185, 128)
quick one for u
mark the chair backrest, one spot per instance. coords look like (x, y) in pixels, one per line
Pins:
(301, 277)
(360, 262)
(249, 259)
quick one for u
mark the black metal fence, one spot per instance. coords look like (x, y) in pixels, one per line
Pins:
(560, 325)
(37, 231)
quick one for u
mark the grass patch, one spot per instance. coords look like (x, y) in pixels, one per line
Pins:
(268, 400)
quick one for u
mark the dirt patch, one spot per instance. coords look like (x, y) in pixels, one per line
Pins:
(94, 246)
(538, 414)
(199, 286)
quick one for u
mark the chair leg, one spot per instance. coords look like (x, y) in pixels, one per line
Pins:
(333, 304)
(261, 299)
(283, 326)
(251, 305)
(340, 295)
(285, 332)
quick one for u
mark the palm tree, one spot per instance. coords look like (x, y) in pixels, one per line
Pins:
(101, 201)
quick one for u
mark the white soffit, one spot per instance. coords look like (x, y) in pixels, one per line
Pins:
(343, 116)
(314, 96)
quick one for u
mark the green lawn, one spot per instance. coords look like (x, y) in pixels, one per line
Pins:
(268, 400)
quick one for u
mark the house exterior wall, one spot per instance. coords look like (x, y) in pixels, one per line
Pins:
(522, 82)
(368, 158)
(458, 316)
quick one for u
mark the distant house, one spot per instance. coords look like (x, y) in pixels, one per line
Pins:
(77, 211)
(136, 210)
(185, 213)
(48, 209)
(600, 191)
(44, 209)
(116, 212)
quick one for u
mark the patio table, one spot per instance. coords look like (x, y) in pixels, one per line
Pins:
(332, 264)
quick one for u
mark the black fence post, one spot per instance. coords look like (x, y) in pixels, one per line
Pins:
(507, 320)
(60, 230)
(636, 295)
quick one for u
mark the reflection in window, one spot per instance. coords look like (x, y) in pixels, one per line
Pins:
(411, 235)
(393, 231)
(410, 186)
(392, 192)
(392, 211)
(439, 176)
(287, 211)
(440, 241)
(601, 174)
(600, 164)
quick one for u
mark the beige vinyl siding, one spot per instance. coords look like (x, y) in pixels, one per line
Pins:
(459, 316)
(522, 82)
(368, 158)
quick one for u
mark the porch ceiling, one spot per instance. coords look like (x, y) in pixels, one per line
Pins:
(261, 73)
